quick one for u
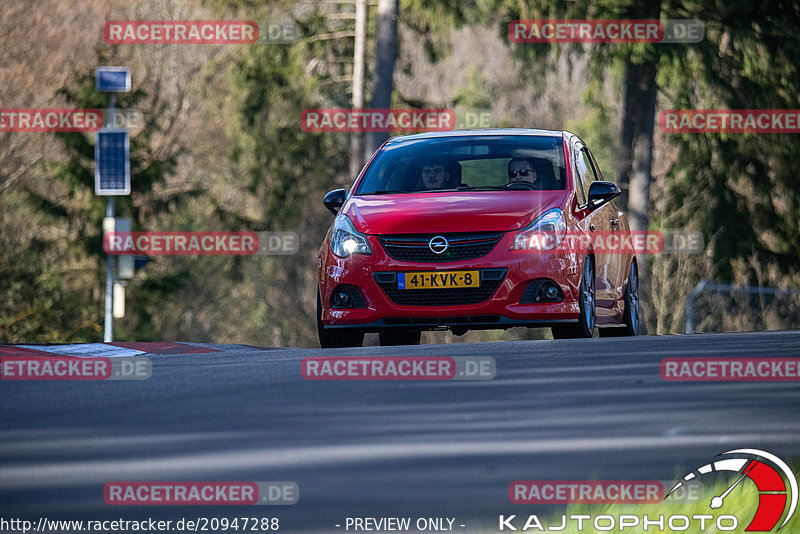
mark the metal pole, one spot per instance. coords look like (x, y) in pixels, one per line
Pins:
(688, 307)
(108, 335)
(108, 326)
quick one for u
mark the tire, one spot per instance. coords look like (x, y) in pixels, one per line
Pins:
(330, 338)
(399, 337)
(632, 314)
(586, 303)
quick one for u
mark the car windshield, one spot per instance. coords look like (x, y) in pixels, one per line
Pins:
(477, 163)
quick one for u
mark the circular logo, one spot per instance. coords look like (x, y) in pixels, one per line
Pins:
(438, 244)
(773, 492)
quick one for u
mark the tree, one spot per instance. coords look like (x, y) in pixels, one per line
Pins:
(383, 70)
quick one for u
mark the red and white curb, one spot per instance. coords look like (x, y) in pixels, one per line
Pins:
(105, 350)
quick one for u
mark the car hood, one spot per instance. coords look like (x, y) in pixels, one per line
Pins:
(473, 211)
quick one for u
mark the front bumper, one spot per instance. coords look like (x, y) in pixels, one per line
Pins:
(386, 308)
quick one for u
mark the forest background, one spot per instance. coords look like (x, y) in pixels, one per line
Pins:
(220, 147)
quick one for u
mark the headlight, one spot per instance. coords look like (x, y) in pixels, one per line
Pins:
(346, 240)
(545, 233)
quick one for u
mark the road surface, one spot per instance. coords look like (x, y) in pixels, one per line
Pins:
(556, 410)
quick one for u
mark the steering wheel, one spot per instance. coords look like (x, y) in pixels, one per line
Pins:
(521, 184)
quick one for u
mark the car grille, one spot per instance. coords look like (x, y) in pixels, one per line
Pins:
(463, 246)
(490, 281)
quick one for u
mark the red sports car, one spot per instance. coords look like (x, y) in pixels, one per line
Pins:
(466, 230)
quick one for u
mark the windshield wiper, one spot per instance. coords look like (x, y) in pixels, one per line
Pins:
(436, 190)
(482, 188)
(462, 188)
(389, 191)
(385, 192)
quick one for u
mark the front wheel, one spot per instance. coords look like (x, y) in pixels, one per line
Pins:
(330, 338)
(586, 304)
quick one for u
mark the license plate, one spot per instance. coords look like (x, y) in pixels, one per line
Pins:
(438, 279)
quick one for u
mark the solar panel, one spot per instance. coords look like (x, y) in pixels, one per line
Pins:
(112, 172)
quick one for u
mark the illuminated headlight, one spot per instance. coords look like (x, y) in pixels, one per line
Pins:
(545, 233)
(346, 240)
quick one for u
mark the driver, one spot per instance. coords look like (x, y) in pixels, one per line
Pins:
(434, 175)
(521, 170)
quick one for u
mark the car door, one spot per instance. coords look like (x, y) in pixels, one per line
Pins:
(618, 260)
(596, 225)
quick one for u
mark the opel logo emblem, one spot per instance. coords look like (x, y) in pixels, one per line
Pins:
(438, 244)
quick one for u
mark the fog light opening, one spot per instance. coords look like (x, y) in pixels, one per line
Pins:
(551, 291)
(346, 296)
(341, 298)
(542, 290)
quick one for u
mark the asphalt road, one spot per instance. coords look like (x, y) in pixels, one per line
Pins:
(556, 410)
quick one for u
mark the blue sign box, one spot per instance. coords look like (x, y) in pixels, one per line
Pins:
(113, 79)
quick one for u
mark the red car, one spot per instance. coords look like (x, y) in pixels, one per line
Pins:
(464, 230)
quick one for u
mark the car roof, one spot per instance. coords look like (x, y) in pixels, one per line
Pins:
(474, 133)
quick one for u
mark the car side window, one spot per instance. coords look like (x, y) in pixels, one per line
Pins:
(585, 173)
(598, 174)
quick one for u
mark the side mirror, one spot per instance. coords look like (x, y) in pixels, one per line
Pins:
(334, 200)
(601, 192)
